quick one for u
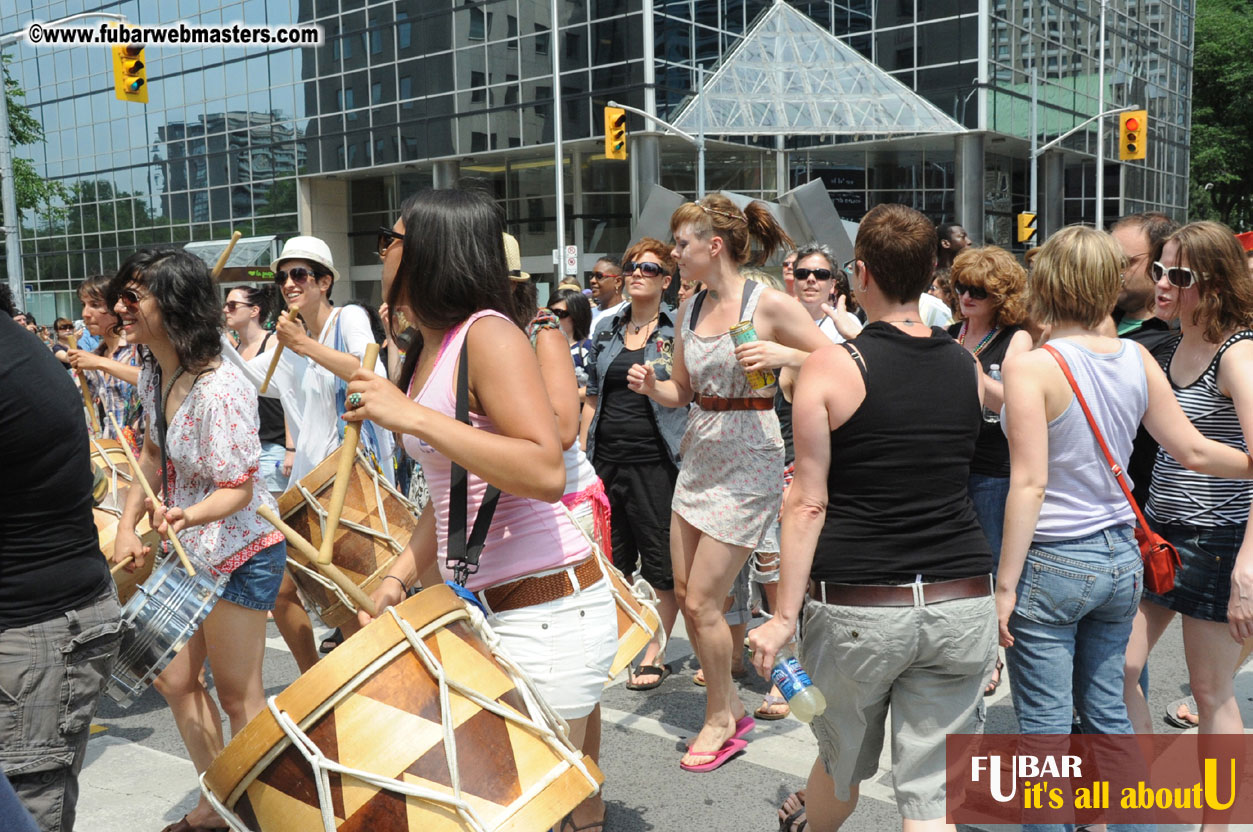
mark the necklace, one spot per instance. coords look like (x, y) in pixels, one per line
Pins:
(635, 328)
(987, 339)
(906, 321)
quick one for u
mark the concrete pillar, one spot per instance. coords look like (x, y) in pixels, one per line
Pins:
(969, 175)
(445, 174)
(323, 213)
(645, 170)
(1052, 214)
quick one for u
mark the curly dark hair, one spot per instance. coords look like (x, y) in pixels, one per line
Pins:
(6, 301)
(180, 284)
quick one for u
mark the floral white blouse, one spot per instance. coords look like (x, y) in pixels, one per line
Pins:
(213, 444)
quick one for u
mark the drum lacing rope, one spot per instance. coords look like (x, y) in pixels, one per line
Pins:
(641, 589)
(323, 766)
(115, 470)
(380, 485)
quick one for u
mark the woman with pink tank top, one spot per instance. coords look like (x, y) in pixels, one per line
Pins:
(543, 590)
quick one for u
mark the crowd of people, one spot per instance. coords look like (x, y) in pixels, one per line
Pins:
(893, 469)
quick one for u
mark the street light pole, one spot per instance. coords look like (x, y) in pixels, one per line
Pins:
(553, 46)
(8, 193)
(1100, 128)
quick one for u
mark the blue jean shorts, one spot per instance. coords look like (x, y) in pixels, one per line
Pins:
(255, 584)
(1207, 555)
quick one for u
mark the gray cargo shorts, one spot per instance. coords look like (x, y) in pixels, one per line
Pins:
(51, 676)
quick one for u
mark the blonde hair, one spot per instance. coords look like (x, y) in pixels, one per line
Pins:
(1076, 276)
(1224, 286)
(763, 277)
(717, 216)
(995, 269)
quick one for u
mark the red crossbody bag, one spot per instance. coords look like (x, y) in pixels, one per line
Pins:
(1160, 558)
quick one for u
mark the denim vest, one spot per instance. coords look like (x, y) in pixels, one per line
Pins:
(607, 343)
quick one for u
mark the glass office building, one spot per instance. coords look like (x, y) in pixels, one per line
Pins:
(406, 94)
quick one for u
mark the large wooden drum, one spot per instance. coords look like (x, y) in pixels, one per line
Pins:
(108, 456)
(106, 528)
(374, 527)
(414, 723)
(638, 621)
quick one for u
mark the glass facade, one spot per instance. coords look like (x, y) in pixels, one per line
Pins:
(242, 138)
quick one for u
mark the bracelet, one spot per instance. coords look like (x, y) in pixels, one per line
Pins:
(397, 580)
(290, 450)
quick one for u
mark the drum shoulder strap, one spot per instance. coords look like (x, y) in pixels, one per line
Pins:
(463, 555)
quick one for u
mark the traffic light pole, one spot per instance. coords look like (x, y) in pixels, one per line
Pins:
(699, 141)
(8, 193)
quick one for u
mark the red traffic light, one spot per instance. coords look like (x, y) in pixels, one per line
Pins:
(1133, 124)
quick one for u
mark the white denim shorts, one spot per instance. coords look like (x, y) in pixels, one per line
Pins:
(566, 646)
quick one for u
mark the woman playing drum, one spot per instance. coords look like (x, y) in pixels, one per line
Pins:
(166, 301)
(112, 369)
(444, 268)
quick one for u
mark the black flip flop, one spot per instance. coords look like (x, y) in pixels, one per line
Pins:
(332, 641)
(650, 670)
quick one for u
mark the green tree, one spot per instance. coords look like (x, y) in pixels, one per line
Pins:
(1222, 113)
(33, 191)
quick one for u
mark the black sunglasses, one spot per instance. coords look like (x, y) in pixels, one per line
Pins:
(69, 328)
(1180, 276)
(646, 269)
(816, 274)
(299, 274)
(386, 238)
(975, 292)
(232, 305)
(561, 314)
(131, 297)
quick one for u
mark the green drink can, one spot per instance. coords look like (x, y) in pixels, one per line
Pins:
(744, 333)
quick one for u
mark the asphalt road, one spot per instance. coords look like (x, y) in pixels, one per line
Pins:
(137, 778)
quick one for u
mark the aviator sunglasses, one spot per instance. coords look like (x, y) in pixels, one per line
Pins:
(299, 274)
(1180, 276)
(646, 269)
(975, 292)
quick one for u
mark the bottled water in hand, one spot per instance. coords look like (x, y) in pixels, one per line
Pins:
(803, 697)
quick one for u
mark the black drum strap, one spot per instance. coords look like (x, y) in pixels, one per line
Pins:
(463, 557)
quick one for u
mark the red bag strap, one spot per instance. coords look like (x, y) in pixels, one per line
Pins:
(1114, 467)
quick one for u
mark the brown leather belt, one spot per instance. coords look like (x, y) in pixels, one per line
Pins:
(900, 595)
(719, 403)
(529, 592)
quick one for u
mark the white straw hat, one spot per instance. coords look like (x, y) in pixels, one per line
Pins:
(307, 248)
(513, 257)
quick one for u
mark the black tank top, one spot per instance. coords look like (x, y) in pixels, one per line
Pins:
(992, 450)
(897, 504)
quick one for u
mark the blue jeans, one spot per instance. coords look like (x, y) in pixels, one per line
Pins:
(1076, 603)
(988, 494)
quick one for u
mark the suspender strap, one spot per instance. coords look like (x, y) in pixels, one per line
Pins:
(1114, 467)
(745, 297)
(463, 556)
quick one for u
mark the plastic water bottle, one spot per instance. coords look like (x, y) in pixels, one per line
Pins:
(803, 698)
(989, 415)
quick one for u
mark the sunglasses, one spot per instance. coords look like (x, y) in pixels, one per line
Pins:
(232, 305)
(975, 292)
(646, 269)
(816, 274)
(604, 275)
(387, 238)
(561, 314)
(299, 274)
(65, 328)
(850, 267)
(1180, 276)
(131, 297)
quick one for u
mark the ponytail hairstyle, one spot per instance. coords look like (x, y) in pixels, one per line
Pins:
(266, 299)
(718, 216)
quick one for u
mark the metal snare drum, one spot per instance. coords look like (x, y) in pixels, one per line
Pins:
(162, 616)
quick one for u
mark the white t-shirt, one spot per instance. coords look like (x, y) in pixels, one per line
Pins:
(934, 311)
(307, 390)
(597, 312)
(827, 326)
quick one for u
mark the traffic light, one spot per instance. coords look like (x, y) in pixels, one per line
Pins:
(130, 78)
(1133, 135)
(615, 133)
(1026, 227)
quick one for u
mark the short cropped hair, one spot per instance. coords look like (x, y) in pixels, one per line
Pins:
(1076, 276)
(1156, 227)
(814, 247)
(898, 245)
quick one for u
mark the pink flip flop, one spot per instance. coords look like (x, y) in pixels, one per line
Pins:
(743, 726)
(728, 750)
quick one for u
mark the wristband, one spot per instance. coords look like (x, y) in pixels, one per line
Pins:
(397, 580)
(290, 450)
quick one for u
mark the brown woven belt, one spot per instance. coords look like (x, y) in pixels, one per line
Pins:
(900, 595)
(719, 403)
(528, 592)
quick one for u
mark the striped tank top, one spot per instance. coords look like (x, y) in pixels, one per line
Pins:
(1182, 496)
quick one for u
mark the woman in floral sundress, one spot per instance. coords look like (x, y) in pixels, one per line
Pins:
(729, 485)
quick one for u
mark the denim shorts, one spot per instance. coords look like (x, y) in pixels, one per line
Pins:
(1207, 555)
(271, 467)
(255, 584)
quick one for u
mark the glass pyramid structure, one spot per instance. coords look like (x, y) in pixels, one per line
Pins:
(790, 76)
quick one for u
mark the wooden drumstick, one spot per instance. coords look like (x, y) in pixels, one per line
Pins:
(87, 402)
(225, 255)
(139, 475)
(293, 315)
(117, 567)
(347, 455)
(330, 570)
